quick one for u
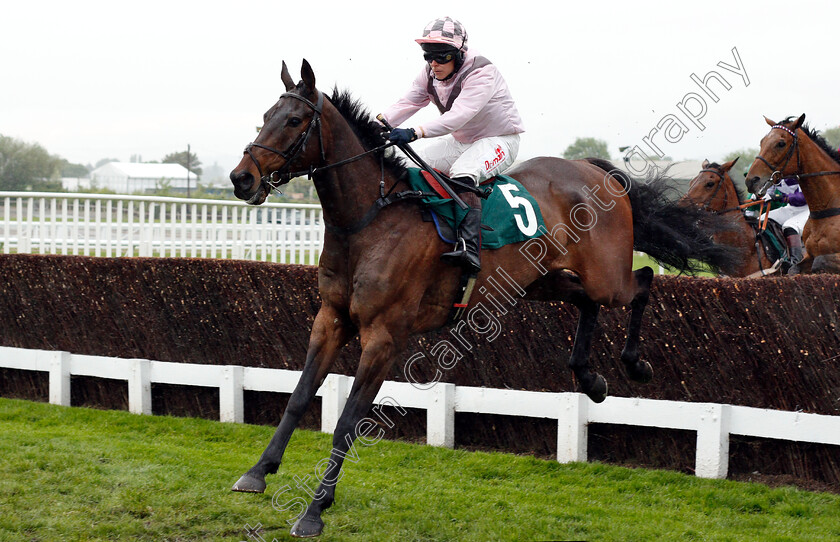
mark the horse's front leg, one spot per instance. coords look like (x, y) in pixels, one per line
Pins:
(378, 354)
(330, 332)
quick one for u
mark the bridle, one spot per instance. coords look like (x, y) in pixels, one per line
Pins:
(777, 176)
(297, 146)
(277, 178)
(758, 227)
(708, 203)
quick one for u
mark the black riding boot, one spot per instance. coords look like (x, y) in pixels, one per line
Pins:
(794, 242)
(468, 247)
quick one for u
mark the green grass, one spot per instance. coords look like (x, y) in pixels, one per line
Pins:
(83, 474)
(645, 260)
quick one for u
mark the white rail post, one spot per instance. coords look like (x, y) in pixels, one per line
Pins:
(712, 456)
(140, 386)
(440, 416)
(232, 395)
(572, 427)
(332, 402)
(59, 377)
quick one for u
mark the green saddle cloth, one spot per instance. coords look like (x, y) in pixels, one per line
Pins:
(511, 212)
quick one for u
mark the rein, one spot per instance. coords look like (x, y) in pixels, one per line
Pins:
(759, 227)
(777, 176)
(277, 178)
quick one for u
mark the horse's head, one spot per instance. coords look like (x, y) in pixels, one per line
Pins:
(774, 160)
(710, 188)
(281, 145)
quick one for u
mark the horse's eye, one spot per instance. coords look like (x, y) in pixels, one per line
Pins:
(710, 184)
(294, 121)
(781, 144)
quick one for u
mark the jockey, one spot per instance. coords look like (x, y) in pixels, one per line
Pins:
(792, 215)
(478, 120)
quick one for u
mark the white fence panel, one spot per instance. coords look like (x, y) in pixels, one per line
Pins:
(714, 423)
(146, 226)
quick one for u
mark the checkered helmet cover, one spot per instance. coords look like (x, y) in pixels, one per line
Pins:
(445, 30)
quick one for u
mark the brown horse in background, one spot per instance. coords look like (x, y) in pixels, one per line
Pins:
(714, 191)
(380, 276)
(792, 149)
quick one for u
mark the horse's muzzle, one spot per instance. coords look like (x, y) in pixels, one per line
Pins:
(757, 186)
(243, 182)
(246, 187)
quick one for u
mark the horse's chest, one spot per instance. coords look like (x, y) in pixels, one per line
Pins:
(823, 238)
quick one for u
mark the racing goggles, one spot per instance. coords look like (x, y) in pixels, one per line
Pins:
(441, 57)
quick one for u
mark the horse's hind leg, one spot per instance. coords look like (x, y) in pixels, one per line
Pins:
(591, 383)
(328, 335)
(638, 370)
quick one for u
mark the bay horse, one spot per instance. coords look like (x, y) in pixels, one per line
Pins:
(715, 192)
(380, 276)
(792, 149)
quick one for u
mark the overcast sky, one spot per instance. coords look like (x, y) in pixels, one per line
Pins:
(90, 80)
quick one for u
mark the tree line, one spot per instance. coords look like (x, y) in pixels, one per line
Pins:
(590, 147)
(29, 167)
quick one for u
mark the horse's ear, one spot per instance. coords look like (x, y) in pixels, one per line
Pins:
(798, 123)
(308, 76)
(770, 122)
(727, 166)
(286, 78)
(705, 164)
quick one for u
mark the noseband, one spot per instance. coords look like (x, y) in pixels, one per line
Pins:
(776, 176)
(712, 197)
(297, 146)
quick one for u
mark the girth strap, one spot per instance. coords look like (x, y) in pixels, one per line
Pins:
(825, 213)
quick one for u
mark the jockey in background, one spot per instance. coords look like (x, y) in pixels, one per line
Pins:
(792, 215)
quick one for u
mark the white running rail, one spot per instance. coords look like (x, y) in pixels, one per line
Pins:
(712, 422)
(120, 225)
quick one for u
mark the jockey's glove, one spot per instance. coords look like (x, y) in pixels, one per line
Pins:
(401, 136)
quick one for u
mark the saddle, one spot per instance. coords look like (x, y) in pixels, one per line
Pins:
(509, 214)
(772, 239)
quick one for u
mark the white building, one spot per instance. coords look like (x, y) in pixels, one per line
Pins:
(130, 177)
(74, 184)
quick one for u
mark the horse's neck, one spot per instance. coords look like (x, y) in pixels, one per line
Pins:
(729, 200)
(743, 235)
(347, 192)
(821, 191)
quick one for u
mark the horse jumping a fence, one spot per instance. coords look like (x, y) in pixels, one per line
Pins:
(714, 191)
(792, 149)
(380, 276)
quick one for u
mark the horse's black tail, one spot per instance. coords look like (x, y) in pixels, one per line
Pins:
(678, 237)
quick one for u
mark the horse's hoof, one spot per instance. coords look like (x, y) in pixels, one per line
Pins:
(249, 484)
(641, 372)
(307, 527)
(598, 391)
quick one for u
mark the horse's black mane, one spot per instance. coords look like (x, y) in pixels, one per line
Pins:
(742, 195)
(366, 128)
(816, 138)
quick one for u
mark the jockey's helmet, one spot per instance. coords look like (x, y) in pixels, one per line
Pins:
(446, 31)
